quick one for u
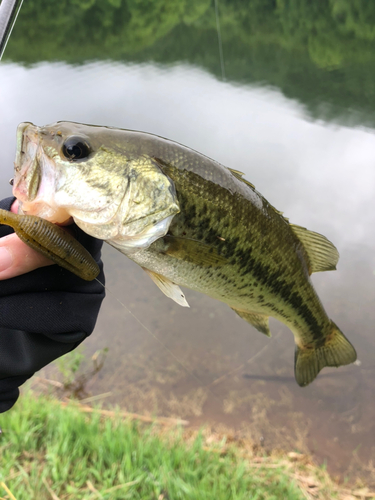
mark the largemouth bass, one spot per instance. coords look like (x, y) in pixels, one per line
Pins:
(186, 220)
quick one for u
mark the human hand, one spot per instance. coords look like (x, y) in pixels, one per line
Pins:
(44, 313)
(16, 257)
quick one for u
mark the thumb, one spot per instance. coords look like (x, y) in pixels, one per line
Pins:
(17, 258)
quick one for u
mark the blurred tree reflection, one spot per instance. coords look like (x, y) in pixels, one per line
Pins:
(315, 51)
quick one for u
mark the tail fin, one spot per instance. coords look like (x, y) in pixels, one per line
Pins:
(336, 351)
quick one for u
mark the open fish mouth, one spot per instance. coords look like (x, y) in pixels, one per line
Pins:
(34, 179)
(27, 168)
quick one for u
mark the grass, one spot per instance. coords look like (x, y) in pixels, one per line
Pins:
(51, 452)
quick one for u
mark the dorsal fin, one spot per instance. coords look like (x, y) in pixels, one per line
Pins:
(280, 213)
(322, 254)
(239, 176)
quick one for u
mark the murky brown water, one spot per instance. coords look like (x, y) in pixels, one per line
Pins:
(321, 175)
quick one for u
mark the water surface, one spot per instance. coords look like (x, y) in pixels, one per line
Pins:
(295, 122)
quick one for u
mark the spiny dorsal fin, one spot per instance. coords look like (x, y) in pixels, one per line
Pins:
(169, 288)
(239, 176)
(258, 321)
(193, 251)
(322, 254)
(280, 213)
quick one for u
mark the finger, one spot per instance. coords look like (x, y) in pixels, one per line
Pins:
(14, 207)
(17, 258)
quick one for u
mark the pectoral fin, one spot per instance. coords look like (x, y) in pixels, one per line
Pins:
(169, 288)
(193, 251)
(258, 321)
(322, 254)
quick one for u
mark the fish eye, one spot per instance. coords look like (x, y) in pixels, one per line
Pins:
(75, 148)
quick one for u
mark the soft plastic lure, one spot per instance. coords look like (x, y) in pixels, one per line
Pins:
(53, 242)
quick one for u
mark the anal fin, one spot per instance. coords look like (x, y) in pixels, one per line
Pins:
(258, 321)
(169, 288)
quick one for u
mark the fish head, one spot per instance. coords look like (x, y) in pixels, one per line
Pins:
(95, 176)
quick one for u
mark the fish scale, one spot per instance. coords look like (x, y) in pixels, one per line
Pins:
(247, 275)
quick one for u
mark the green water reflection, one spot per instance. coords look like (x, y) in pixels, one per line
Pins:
(320, 52)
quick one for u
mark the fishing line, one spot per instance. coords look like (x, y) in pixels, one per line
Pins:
(235, 370)
(197, 379)
(220, 40)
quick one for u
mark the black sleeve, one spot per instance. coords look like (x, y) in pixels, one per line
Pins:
(43, 315)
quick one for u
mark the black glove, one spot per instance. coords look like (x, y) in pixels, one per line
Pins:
(43, 315)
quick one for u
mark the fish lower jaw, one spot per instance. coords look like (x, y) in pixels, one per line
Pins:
(56, 215)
